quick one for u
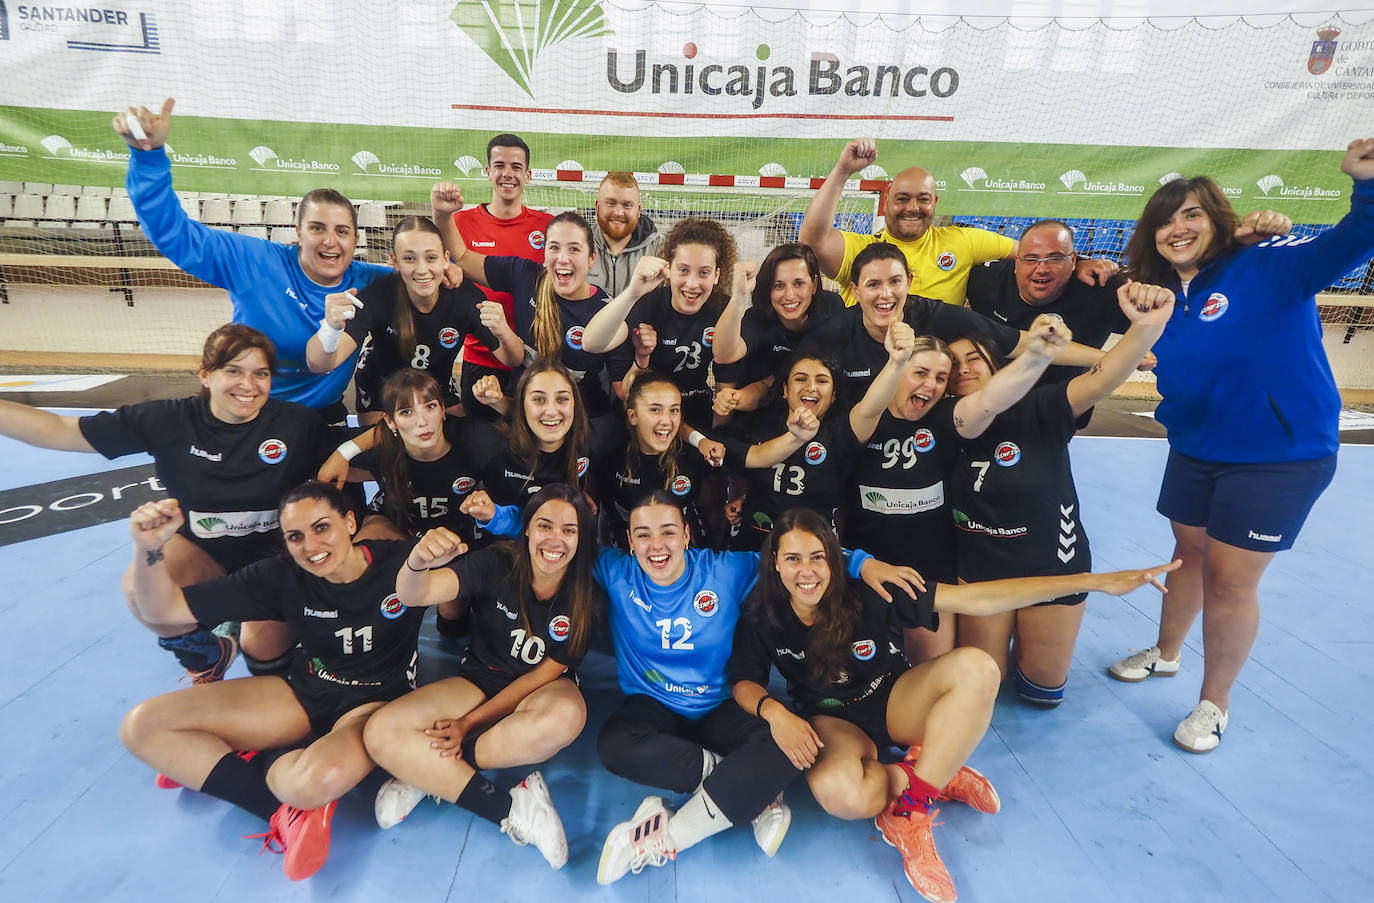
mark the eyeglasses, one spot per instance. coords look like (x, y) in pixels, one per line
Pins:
(1053, 260)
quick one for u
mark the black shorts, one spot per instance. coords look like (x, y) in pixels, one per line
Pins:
(325, 702)
(491, 681)
(867, 712)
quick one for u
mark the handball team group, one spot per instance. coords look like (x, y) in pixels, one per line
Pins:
(583, 427)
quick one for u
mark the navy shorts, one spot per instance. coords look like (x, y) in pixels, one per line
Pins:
(868, 712)
(1260, 507)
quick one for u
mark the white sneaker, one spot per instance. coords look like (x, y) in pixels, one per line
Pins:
(1201, 731)
(632, 845)
(1143, 663)
(533, 819)
(395, 800)
(770, 826)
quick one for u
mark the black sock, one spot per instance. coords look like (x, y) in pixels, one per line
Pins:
(485, 800)
(196, 651)
(240, 783)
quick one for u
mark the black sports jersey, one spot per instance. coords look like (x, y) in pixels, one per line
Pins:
(898, 506)
(500, 640)
(814, 476)
(759, 645)
(439, 337)
(1091, 311)
(1013, 498)
(594, 372)
(844, 338)
(683, 352)
(352, 634)
(228, 477)
(505, 477)
(768, 343)
(437, 487)
(628, 484)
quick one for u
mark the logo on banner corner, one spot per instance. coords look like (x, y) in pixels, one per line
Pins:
(513, 39)
(1323, 50)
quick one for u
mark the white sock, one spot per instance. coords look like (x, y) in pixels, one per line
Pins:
(708, 765)
(697, 820)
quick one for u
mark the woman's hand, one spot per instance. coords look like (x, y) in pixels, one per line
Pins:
(1262, 224)
(900, 342)
(1119, 583)
(446, 736)
(153, 126)
(746, 277)
(803, 424)
(446, 198)
(153, 523)
(876, 574)
(487, 390)
(645, 340)
(649, 274)
(435, 549)
(1358, 162)
(712, 451)
(1048, 336)
(479, 506)
(793, 734)
(340, 307)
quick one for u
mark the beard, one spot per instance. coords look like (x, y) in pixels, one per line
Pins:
(617, 229)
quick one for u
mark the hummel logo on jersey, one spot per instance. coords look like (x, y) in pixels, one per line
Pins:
(634, 597)
(291, 293)
(789, 652)
(501, 607)
(482, 244)
(316, 613)
(202, 453)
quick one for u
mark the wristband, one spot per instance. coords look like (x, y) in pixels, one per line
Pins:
(349, 450)
(329, 337)
(694, 439)
(758, 709)
(415, 569)
(855, 563)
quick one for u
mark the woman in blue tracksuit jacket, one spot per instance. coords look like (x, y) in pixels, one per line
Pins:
(1250, 405)
(277, 289)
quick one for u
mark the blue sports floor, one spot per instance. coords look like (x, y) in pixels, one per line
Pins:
(1097, 803)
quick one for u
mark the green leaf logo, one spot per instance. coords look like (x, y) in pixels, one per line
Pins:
(209, 523)
(875, 497)
(514, 32)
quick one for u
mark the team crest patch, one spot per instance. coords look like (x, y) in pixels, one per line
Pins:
(1007, 453)
(574, 338)
(1323, 51)
(582, 463)
(272, 451)
(464, 485)
(946, 261)
(559, 628)
(448, 337)
(392, 608)
(681, 486)
(865, 649)
(705, 603)
(815, 453)
(708, 336)
(537, 240)
(1216, 306)
(924, 440)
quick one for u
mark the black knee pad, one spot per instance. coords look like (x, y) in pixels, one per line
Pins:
(270, 667)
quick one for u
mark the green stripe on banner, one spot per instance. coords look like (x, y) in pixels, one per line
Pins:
(1003, 178)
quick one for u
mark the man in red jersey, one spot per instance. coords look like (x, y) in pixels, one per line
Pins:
(503, 227)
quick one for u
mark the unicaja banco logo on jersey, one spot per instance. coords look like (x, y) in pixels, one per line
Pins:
(513, 34)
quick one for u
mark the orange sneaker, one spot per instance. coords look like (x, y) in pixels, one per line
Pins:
(302, 835)
(911, 834)
(968, 786)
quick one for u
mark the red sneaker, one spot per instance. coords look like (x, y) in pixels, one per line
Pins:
(968, 786)
(302, 835)
(911, 834)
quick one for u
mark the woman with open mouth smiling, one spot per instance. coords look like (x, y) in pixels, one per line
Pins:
(853, 692)
(553, 304)
(898, 506)
(412, 321)
(515, 700)
(773, 307)
(1251, 407)
(672, 325)
(357, 652)
(228, 454)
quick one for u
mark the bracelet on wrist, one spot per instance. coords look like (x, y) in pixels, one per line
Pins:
(758, 709)
(415, 569)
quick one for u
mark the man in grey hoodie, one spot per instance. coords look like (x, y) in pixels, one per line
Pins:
(621, 235)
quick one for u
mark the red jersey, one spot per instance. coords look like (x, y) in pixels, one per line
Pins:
(522, 236)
